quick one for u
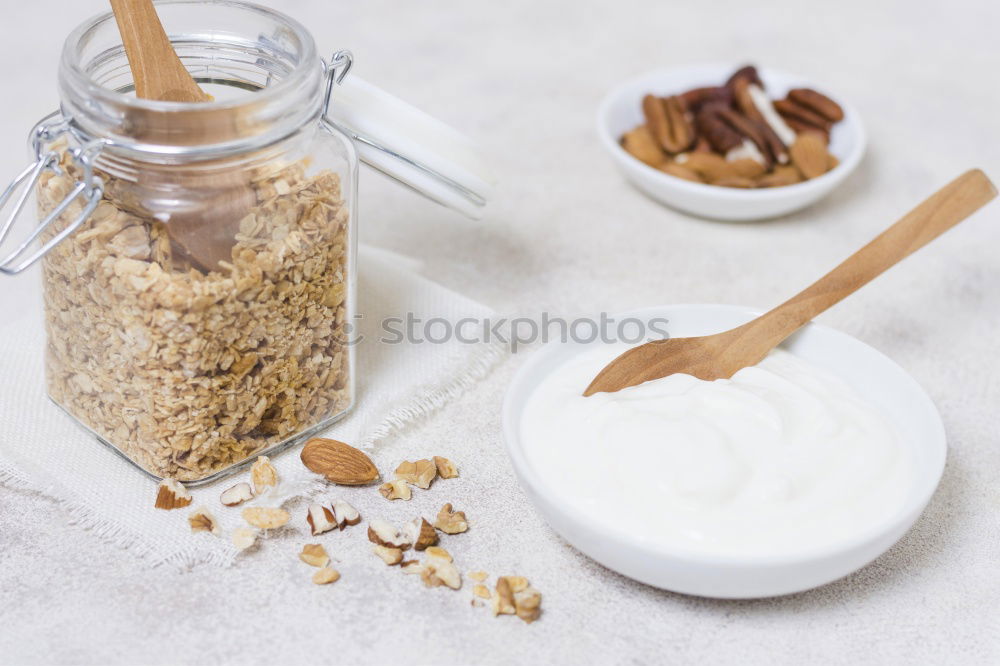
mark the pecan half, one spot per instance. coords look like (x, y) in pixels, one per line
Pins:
(752, 130)
(667, 120)
(790, 109)
(748, 74)
(695, 99)
(817, 102)
(717, 132)
(745, 102)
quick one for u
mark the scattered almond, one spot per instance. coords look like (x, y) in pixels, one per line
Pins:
(395, 489)
(244, 537)
(339, 462)
(238, 494)
(325, 576)
(445, 468)
(420, 473)
(481, 591)
(171, 494)
(390, 556)
(202, 521)
(263, 475)
(478, 576)
(451, 522)
(314, 554)
(320, 518)
(266, 518)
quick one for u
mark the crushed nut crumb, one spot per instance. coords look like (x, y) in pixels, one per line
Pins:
(325, 576)
(314, 554)
(395, 489)
(266, 518)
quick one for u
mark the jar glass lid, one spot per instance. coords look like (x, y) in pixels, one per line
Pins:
(407, 144)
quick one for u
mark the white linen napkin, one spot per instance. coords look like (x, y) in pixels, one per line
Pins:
(45, 450)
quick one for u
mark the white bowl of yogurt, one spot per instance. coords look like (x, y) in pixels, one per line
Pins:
(790, 475)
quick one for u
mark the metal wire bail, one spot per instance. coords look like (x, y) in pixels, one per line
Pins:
(338, 67)
(90, 187)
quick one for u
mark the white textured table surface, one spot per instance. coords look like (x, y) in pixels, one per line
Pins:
(569, 236)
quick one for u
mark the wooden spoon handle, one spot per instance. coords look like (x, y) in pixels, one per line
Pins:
(941, 211)
(158, 72)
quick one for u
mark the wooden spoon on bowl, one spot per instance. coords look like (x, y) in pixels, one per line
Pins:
(721, 355)
(207, 209)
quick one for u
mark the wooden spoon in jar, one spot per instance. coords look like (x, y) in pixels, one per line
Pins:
(205, 229)
(721, 355)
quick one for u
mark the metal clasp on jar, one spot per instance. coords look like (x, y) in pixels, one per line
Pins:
(90, 188)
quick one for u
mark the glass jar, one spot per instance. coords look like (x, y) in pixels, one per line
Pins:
(199, 260)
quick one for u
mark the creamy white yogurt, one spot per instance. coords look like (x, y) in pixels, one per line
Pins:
(781, 459)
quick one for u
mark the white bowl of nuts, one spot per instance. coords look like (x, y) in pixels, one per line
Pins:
(730, 144)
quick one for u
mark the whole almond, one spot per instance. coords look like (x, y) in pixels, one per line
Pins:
(781, 176)
(680, 171)
(809, 154)
(734, 181)
(339, 462)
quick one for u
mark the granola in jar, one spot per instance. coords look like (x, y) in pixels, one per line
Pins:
(187, 371)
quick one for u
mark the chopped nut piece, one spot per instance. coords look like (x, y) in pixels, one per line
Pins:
(445, 468)
(478, 576)
(244, 537)
(515, 596)
(451, 522)
(420, 533)
(412, 567)
(325, 576)
(396, 489)
(384, 533)
(481, 591)
(516, 583)
(314, 554)
(345, 514)
(438, 571)
(438, 553)
(202, 521)
(390, 556)
(320, 519)
(503, 598)
(238, 494)
(266, 518)
(528, 604)
(263, 475)
(420, 473)
(172, 495)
